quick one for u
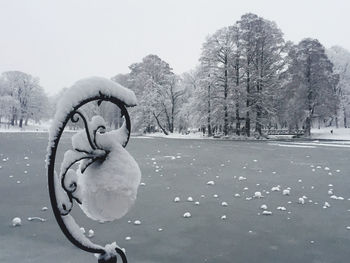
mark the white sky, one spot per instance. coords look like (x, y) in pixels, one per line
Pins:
(64, 40)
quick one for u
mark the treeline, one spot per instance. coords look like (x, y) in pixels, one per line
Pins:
(21, 99)
(249, 79)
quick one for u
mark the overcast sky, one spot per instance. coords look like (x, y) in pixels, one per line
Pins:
(64, 40)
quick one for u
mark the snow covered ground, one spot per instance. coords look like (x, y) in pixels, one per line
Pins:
(226, 222)
(42, 127)
(325, 133)
(197, 135)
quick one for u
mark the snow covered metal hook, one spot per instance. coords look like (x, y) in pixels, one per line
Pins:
(109, 195)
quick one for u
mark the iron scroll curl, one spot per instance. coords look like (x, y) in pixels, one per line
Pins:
(74, 116)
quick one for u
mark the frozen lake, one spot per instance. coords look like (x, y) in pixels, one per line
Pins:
(316, 171)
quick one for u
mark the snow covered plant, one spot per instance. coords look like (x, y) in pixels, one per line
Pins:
(107, 177)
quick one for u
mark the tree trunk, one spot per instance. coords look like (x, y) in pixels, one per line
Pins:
(160, 126)
(336, 122)
(345, 121)
(247, 119)
(21, 122)
(209, 114)
(238, 120)
(247, 124)
(309, 98)
(308, 126)
(225, 100)
(258, 120)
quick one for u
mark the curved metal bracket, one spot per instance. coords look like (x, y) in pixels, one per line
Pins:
(64, 220)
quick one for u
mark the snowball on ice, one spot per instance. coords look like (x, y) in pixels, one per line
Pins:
(190, 199)
(137, 222)
(241, 178)
(258, 195)
(326, 205)
(196, 203)
(266, 213)
(237, 195)
(177, 199)
(210, 183)
(282, 208)
(36, 218)
(301, 201)
(187, 215)
(44, 208)
(91, 233)
(224, 204)
(223, 217)
(286, 192)
(276, 188)
(330, 192)
(16, 221)
(263, 207)
(336, 197)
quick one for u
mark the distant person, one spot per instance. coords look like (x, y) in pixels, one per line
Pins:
(332, 132)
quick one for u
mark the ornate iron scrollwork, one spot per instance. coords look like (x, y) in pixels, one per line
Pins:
(69, 184)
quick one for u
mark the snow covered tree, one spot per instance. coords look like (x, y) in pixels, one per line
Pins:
(263, 50)
(157, 88)
(24, 98)
(215, 59)
(202, 102)
(340, 58)
(312, 81)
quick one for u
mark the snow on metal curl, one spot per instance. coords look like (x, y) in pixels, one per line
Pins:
(82, 92)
